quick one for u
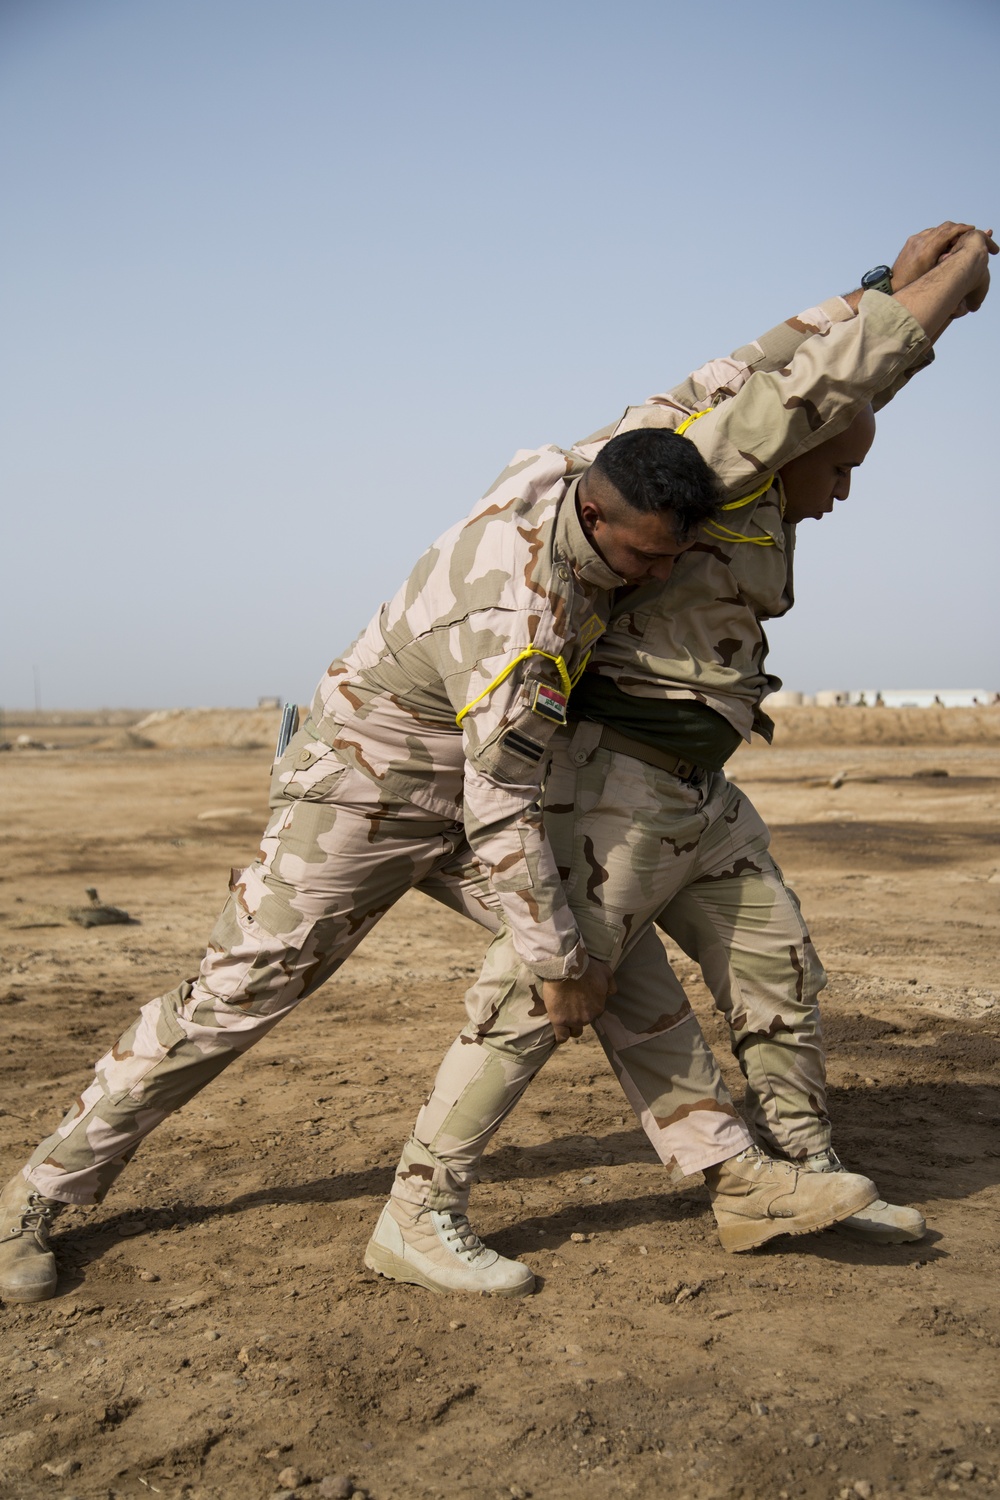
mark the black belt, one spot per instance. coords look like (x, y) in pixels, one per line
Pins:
(613, 739)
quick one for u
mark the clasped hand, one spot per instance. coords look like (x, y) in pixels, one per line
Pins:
(573, 1004)
(932, 247)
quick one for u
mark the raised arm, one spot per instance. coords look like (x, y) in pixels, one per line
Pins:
(921, 254)
(837, 368)
(780, 414)
(720, 378)
(928, 294)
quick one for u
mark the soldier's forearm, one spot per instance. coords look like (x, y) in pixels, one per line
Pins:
(940, 295)
(920, 254)
(779, 416)
(718, 379)
(771, 351)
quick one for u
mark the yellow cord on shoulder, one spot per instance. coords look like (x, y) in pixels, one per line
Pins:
(722, 533)
(568, 682)
(748, 499)
(680, 431)
(745, 499)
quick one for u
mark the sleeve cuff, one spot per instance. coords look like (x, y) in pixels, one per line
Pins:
(892, 321)
(570, 967)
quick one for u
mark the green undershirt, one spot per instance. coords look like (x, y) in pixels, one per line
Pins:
(680, 726)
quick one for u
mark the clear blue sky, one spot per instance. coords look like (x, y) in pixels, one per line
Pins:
(284, 285)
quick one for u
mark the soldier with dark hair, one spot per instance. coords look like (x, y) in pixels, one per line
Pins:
(636, 467)
(431, 729)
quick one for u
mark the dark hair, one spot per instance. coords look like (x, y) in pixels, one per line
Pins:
(655, 470)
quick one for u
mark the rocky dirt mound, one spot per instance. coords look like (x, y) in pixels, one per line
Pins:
(211, 728)
(810, 728)
(815, 728)
(257, 728)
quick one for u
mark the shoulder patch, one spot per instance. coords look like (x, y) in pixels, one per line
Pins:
(549, 703)
(591, 629)
(521, 745)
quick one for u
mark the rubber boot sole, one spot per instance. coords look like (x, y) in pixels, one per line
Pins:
(384, 1263)
(40, 1293)
(748, 1234)
(880, 1234)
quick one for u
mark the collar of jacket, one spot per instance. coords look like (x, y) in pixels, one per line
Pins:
(573, 545)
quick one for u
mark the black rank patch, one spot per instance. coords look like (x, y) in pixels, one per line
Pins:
(521, 745)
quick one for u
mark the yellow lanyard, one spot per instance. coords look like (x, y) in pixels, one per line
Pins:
(568, 682)
(754, 495)
(682, 429)
(722, 533)
(716, 529)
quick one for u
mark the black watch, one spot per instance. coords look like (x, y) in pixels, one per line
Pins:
(878, 279)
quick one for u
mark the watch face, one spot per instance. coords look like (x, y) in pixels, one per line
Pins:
(877, 276)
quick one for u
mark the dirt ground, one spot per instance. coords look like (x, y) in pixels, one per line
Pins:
(215, 1327)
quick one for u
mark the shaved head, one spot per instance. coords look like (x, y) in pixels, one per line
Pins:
(815, 480)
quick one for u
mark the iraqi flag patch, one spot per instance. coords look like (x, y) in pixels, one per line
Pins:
(549, 703)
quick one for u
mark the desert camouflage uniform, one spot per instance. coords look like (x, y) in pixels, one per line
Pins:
(369, 797)
(632, 839)
(700, 638)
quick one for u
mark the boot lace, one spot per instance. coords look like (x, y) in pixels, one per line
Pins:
(37, 1216)
(825, 1161)
(761, 1162)
(460, 1236)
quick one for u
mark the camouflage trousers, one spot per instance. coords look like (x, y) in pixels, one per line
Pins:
(335, 856)
(634, 844)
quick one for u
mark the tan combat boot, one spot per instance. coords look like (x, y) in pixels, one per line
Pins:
(441, 1252)
(755, 1198)
(27, 1265)
(880, 1223)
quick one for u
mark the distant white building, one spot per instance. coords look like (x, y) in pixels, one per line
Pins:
(786, 698)
(896, 698)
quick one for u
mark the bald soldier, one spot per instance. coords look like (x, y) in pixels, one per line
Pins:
(642, 818)
(432, 728)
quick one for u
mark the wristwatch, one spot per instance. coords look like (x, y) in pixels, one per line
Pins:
(878, 279)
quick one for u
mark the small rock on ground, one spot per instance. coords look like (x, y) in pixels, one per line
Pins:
(335, 1487)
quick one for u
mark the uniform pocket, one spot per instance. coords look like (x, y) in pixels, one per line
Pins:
(144, 1047)
(308, 771)
(604, 937)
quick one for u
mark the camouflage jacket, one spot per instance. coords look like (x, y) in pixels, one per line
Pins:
(700, 636)
(450, 697)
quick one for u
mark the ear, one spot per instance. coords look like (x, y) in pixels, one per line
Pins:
(590, 515)
(589, 510)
